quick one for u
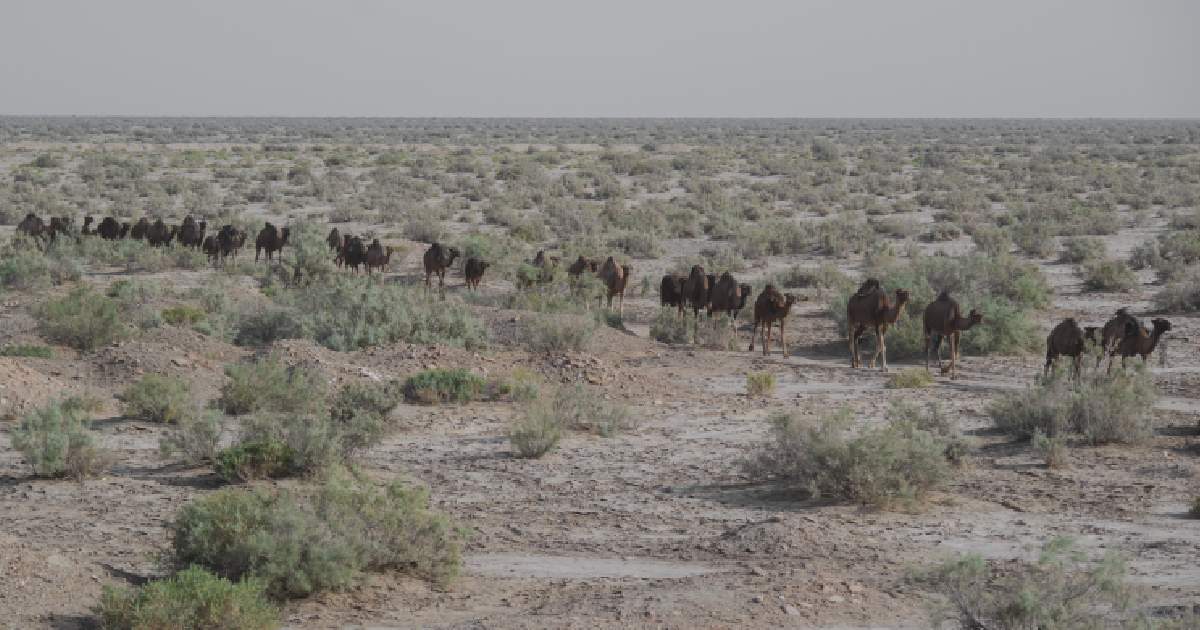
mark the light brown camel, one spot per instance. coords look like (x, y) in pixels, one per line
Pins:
(615, 278)
(1141, 344)
(943, 320)
(1068, 339)
(870, 307)
(770, 307)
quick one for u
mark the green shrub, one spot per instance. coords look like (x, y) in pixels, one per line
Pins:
(581, 408)
(183, 315)
(535, 432)
(1083, 249)
(264, 459)
(910, 378)
(1181, 295)
(637, 244)
(557, 333)
(991, 241)
(1194, 511)
(760, 383)
(669, 327)
(192, 599)
(157, 398)
(443, 385)
(1108, 275)
(1062, 590)
(521, 385)
(1035, 238)
(316, 539)
(942, 232)
(56, 441)
(194, 438)
(897, 462)
(83, 319)
(359, 413)
(27, 350)
(1052, 449)
(1102, 408)
(270, 385)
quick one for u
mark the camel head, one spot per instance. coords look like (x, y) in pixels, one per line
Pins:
(1160, 326)
(974, 317)
(902, 296)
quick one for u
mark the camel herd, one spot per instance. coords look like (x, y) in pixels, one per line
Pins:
(870, 308)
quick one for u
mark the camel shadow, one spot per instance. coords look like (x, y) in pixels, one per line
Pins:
(754, 495)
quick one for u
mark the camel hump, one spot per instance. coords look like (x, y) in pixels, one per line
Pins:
(871, 285)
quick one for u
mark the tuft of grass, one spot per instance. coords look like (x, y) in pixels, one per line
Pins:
(1102, 408)
(521, 385)
(669, 327)
(1194, 511)
(83, 319)
(1182, 294)
(318, 538)
(896, 463)
(543, 421)
(909, 378)
(261, 459)
(760, 383)
(28, 351)
(195, 437)
(270, 385)
(57, 441)
(557, 333)
(535, 433)
(1052, 449)
(185, 315)
(457, 385)
(1083, 249)
(157, 398)
(1108, 276)
(192, 599)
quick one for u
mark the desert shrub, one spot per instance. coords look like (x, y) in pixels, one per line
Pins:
(316, 539)
(1034, 238)
(897, 462)
(306, 258)
(184, 315)
(443, 385)
(1108, 275)
(520, 385)
(423, 229)
(194, 438)
(910, 378)
(1061, 589)
(192, 599)
(268, 325)
(535, 432)
(1052, 449)
(1194, 511)
(83, 319)
(359, 413)
(1145, 256)
(1181, 295)
(825, 277)
(669, 327)
(1007, 292)
(57, 441)
(760, 383)
(942, 232)
(541, 424)
(717, 333)
(1102, 408)
(28, 351)
(270, 385)
(1083, 249)
(637, 244)
(557, 333)
(157, 398)
(991, 241)
(255, 459)
(934, 420)
(348, 313)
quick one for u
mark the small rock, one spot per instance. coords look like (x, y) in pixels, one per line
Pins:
(757, 599)
(790, 609)
(835, 599)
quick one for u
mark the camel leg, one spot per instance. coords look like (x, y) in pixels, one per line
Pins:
(953, 356)
(927, 340)
(753, 331)
(782, 341)
(854, 360)
(766, 340)
(881, 351)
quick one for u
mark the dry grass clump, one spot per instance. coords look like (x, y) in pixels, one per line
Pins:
(57, 441)
(910, 378)
(1101, 408)
(538, 429)
(760, 383)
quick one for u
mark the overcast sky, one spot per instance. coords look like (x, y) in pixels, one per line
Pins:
(601, 58)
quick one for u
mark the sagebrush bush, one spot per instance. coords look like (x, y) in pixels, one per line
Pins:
(897, 462)
(194, 438)
(535, 432)
(28, 351)
(1062, 589)
(1102, 408)
(318, 538)
(83, 319)
(520, 385)
(1083, 249)
(909, 378)
(1182, 294)
(637, 244)
(255, 459)
(669, 327)
(57, 441)
(1108, 275)
(1194, 511)
(270, 385)
(760, 383)
(557, 333)
(157, 398)
(183, 315)
(1052, 449)
(192, 599)
(457, 385)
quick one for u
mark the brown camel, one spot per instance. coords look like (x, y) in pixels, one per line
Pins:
(138, 232)
(1141, 344)
(191, 234)
(334, 239)
(1068, 339)
(581, 265)
(109, 229)
(727, 296)
(378, 257)
(438, 259)
(32, 226)
(870, 307)
(270, 239)
(210, 248)
(354, 253)
(943, 320)
(615, 278)
(670, 291)
(1121, 325)
(473, 270)
(770, 307)
(230, 241)
(87, 230)
(695, 291)
(160, 234)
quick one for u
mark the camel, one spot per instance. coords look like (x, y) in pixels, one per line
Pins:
(695, 291)
(58, 226)
(334, 239)
(354, 253)
(138, 232)
(474, 272)
(1142, 343)
(770, 307)
(109, 229)
(124, 230)
(727, 296)
(378, 256)
(670, 291)
(870, 307)
(32, 226)
(1068, 339)
(210, 247)
(542, 261)
(615, 278)
(1121, 325)
(159, 234)
(87, 230)
(438, 259)
(581, 265)
(191, 234)
(270, 239)
(943, 319)
(230, 241)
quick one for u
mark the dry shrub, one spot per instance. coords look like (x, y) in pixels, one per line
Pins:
(760, 383)
(57, 441)
(157, 398)
(1101, 408)
(910, 378)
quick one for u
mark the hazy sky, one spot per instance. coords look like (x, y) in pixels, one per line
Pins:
(601, 58)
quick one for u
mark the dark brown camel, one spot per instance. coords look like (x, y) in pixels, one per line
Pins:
(191, 234)
(695, 291)
(438, 259)
(109, 229)
(138, 232)
(770, 307)
(210, 248)
(473, 270)
(334, 239)
(615, 278)
(378, 257)
(354, 253)
(59, 226)
(943, 320)
(1121, 325)
(727, 296)
(270, 239)
(1068, 339)
(160, 234)
(1141, 344)
(670, 291)
(32, 226)
(87, 230)
(230, 241)
(581, 265)
(870, 307)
